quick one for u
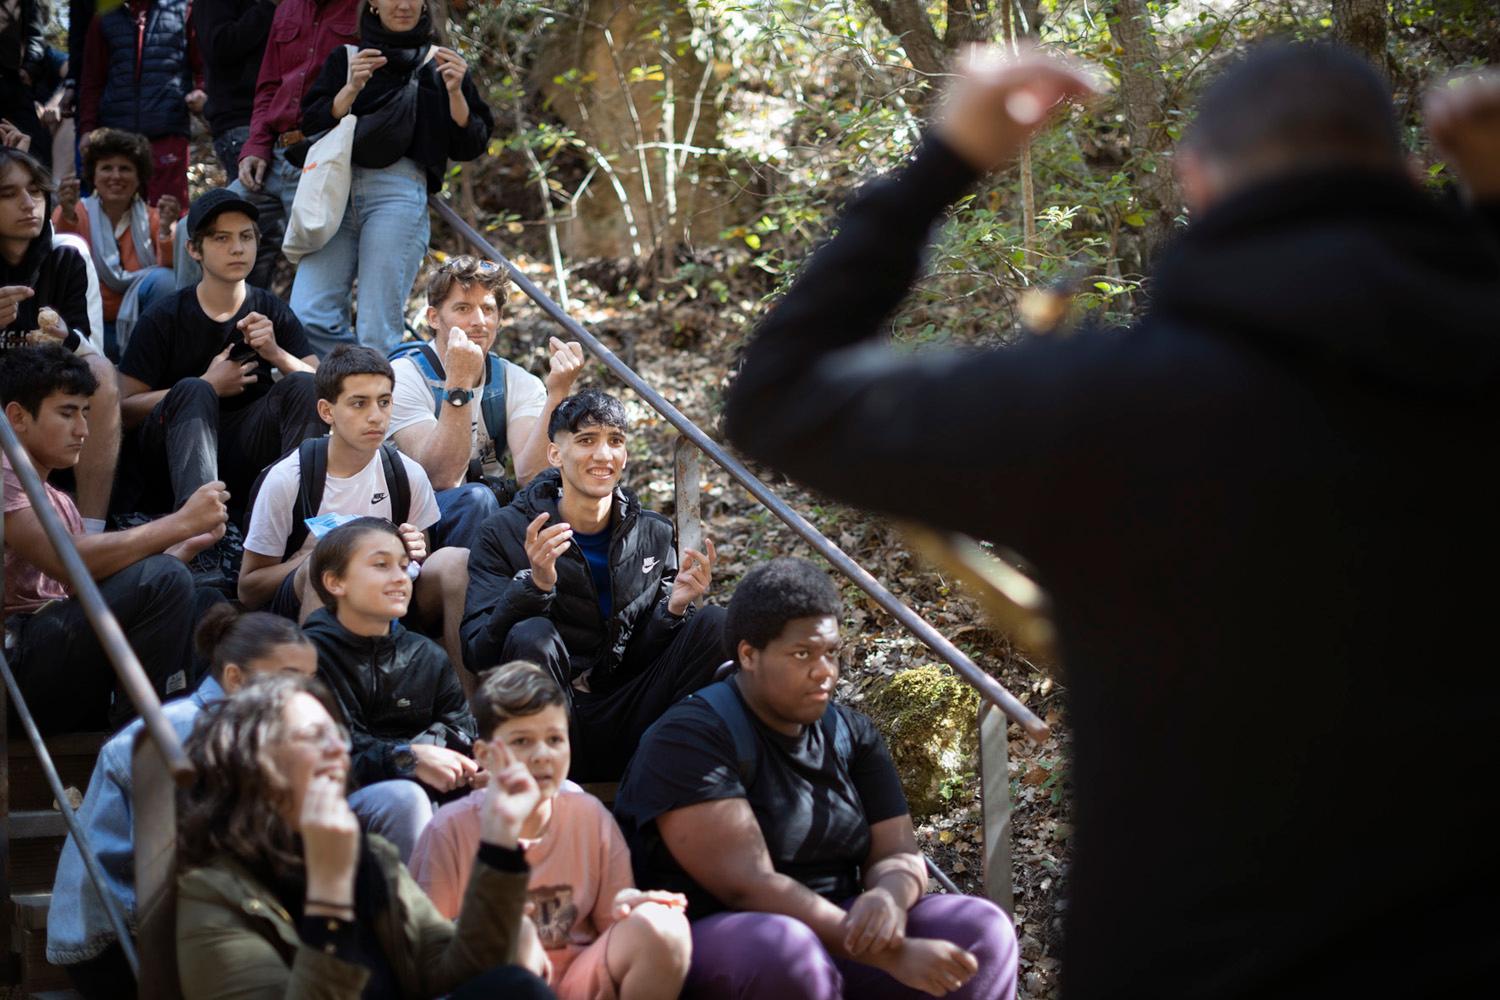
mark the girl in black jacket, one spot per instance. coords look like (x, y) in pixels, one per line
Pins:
(417, 108)
(402, 700)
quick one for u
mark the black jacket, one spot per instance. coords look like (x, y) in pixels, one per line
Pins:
(233, 35)
(394, 689)
(58, 275)
(23, 41)
(1267, 519)
(643, 566)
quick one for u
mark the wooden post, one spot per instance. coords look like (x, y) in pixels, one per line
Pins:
(994, 771)
(155, 819)
(689, 516)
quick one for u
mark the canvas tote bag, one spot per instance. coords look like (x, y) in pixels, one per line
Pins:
(323, 191)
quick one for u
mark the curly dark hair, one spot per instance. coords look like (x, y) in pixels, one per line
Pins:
(774, 593)
(234, 804)
(107, 142)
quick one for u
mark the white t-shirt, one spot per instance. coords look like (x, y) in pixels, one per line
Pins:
(360, 495)
(411, 404)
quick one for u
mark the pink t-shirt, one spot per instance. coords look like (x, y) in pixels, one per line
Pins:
(26, 587)
(578, 865)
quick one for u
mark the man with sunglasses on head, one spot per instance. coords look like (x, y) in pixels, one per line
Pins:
(458, 409)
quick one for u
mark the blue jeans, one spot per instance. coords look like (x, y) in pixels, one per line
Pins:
(381, 241)
(463, 510)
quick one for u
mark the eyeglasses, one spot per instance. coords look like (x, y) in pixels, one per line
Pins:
(320, 736)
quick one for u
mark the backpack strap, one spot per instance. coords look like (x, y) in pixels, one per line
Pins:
(396, 481)
(312, 476)
(492, 402)
(727, 706)
(837, 732)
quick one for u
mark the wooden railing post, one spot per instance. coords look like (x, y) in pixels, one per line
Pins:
(994, 772)
(155, 820)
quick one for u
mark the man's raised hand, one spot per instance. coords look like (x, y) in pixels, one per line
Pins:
(995, 101)
(1463, 117)
(414, 540)
(67, 195)
(543, 546)
(228, 377)
(464, 362)
(693, 577)
(566, 366)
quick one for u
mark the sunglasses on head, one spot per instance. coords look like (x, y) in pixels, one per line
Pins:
(467, 266)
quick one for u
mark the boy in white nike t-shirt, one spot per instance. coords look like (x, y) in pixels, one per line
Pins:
(354, 399)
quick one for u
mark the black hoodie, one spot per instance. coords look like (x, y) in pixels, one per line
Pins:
(642, 563)
(59, 276)
(395, 689)
(1267, 522)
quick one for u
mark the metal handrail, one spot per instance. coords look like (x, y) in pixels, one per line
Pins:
(86, 592)
(989, 689)
(70, 817)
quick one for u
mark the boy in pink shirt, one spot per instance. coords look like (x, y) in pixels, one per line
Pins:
(591, 934)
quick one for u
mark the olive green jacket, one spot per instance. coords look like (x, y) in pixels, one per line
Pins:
(235, 941)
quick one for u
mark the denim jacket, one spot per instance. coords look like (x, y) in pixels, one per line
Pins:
(78, 926)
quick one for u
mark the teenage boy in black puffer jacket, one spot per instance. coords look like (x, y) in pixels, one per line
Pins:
(575, 576)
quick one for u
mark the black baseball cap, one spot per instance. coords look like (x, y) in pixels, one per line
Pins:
(208, 207)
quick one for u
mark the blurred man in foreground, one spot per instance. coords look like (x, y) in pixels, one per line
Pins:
(1264, 515)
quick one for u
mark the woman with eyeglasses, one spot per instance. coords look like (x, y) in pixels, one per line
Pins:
(281, 895)
(417, 108)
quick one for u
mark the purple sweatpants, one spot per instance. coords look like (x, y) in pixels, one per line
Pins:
(767, 956)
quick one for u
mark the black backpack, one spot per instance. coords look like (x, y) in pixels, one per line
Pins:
(312, 467)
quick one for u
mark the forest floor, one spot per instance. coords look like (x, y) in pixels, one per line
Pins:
(684, 344)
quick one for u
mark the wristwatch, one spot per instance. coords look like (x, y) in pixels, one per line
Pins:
(459, 397)
(403, 760)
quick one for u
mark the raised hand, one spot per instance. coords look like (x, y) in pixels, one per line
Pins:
(13, 137)
(874, 922)
(205, 510)
(451, 67)
(464, 361)
(996, 101)
(442, 769)
(414, 540)
(330, 842)
(252, 172)
(11, 297)
(935, 967)
(229, 378)
(1463, 117)
(67, 195)
(510, 796)
(50, 327)
(195, 100)
(168, 209)
(693, 577)
(260, 336)
(543, 546)
(363, 66)
(566, 366)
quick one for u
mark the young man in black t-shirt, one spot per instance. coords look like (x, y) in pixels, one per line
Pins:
(760, 795)
(197, 376)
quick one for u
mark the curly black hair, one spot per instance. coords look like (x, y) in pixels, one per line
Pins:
(773, 594)
(588, 408)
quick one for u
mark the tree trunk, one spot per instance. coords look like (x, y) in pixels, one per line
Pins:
(1143, 93)
(1362, 25)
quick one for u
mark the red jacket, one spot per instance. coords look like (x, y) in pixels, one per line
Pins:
(303, 33)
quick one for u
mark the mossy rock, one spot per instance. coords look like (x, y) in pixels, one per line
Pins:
(929, 720)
